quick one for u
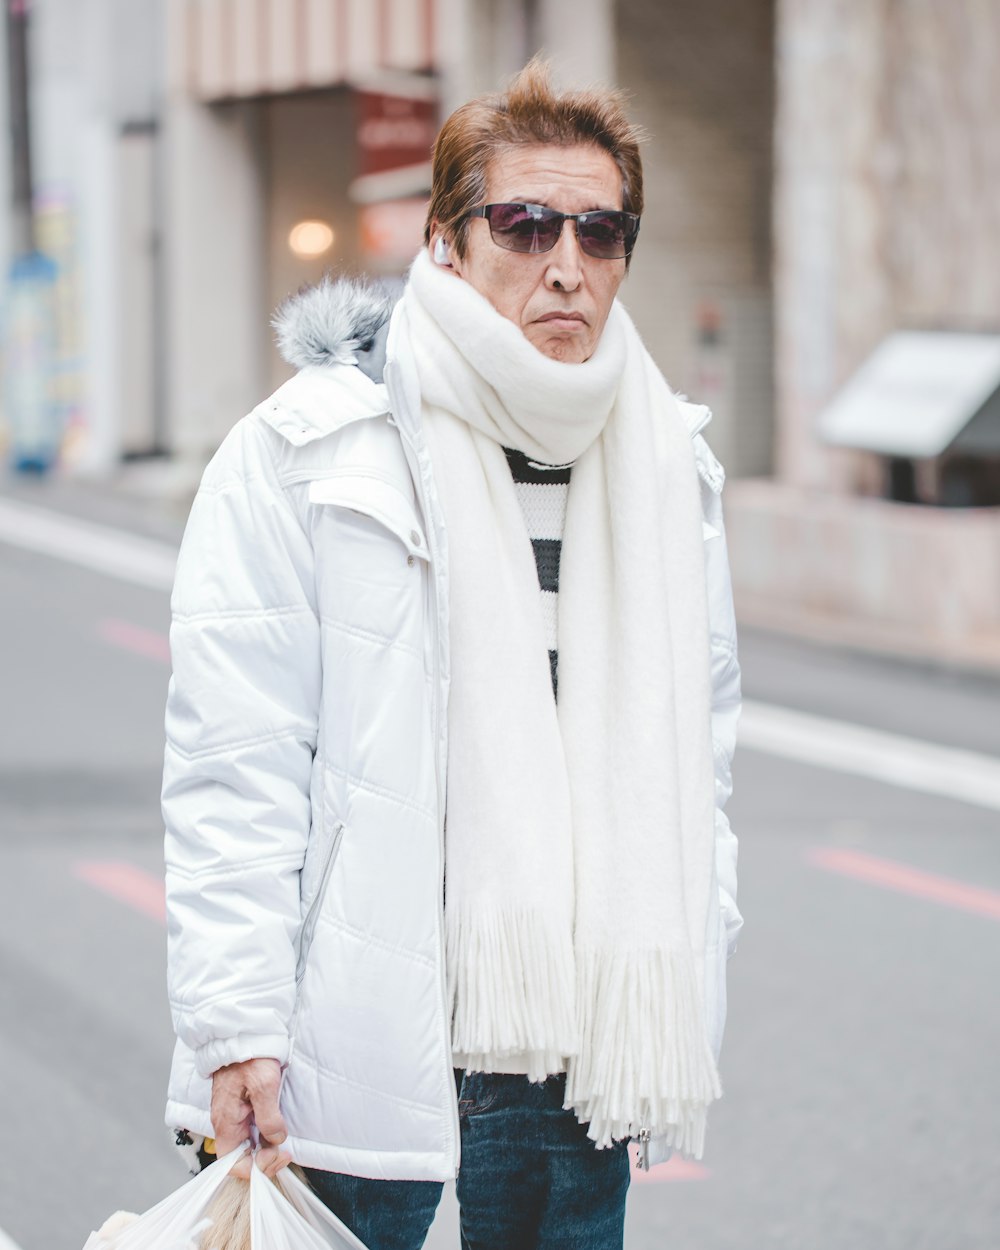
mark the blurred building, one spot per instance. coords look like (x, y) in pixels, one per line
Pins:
(297, 139)
(96, 97)
(275, 117)
(886, 218)
(820, 174)
(210, 156)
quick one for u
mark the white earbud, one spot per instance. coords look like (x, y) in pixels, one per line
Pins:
(441, 252)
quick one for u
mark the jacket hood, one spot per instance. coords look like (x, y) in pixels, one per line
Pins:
(331, 321)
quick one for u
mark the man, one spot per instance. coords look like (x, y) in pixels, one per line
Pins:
(449, 734)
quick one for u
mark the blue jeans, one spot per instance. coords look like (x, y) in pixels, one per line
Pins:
(530, 1178)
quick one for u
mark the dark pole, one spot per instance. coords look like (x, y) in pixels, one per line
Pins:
(22, 215)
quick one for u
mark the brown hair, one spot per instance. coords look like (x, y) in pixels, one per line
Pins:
(529, 111)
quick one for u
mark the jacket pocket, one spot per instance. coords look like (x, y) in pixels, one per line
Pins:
(311, 918)
(377, 499)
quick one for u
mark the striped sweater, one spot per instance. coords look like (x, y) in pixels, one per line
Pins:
(542, 491)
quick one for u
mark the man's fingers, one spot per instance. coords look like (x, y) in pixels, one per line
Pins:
(241, 1170)
(271, 1160)
(245, 1094)
(263, 1087)
(231, 1119)
(270, 1123)
(231, 1135)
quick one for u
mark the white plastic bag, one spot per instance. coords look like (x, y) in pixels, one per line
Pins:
(289, 1216)
(283, 1216)
(177, 1222)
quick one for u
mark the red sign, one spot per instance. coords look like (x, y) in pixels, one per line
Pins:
(394, 132)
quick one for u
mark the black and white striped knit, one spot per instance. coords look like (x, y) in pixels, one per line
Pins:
(542, 491)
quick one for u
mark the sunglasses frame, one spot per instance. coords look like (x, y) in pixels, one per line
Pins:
(541, 212)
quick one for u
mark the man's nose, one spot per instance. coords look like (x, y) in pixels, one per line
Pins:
(564, 271)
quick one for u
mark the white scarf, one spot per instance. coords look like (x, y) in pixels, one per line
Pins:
(579, 845)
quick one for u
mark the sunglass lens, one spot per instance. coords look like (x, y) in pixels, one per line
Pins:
(516, 228)
(608, 236)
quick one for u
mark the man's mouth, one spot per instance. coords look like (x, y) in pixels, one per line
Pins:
(561, 317)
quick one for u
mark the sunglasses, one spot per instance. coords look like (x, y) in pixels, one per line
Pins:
(607, 233)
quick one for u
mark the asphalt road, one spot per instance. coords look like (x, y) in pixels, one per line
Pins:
(860, 1066)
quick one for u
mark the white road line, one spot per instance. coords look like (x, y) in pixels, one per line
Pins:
(7, 1243)
(142, 561)
(800, 736)
(887, 757)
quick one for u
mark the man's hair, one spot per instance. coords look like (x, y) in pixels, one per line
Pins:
(529, 111)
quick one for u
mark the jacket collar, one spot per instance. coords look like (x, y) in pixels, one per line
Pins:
(320, 400)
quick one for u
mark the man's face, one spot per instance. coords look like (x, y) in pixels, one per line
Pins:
(559, 299)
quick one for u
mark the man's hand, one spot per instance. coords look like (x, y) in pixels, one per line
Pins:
(244, 1094)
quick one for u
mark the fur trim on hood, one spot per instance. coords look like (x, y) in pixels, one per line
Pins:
(328, 323)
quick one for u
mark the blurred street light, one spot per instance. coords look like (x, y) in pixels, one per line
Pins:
(310, 238)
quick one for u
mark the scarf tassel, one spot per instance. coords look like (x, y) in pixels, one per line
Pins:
(512, 982)
(644, 1060)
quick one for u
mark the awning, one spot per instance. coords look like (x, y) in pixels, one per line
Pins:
(226, 49)
(920, 393)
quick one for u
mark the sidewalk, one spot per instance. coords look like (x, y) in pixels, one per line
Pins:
(148, 498)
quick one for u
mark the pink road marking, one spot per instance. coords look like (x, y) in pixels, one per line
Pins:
(147, 642)
(675, 1169)
(130, 885)
(906, 880)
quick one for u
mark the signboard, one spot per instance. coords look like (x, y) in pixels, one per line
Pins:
(914, 395)
(395, 134)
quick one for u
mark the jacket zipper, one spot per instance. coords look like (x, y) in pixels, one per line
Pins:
(643, 1139)
(306, 933)
(413, 461)
(312, 915)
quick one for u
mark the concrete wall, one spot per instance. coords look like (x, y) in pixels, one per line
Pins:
(490, 40)
(887, 216)
(886, 576)
(887, 194)
(309, 160)
(217, 329)
(701, 80)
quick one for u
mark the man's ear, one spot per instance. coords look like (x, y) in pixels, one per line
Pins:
(440, 248)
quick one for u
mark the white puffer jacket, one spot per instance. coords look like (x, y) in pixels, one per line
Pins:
(304, 775)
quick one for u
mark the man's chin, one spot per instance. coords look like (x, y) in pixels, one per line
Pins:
(567, 349)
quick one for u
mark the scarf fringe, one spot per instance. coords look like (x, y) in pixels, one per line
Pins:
(512, 981)
(645, 1063)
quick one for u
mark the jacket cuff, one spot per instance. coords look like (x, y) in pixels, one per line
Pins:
(224, 1051)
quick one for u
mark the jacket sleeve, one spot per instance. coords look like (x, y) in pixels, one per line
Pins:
(726, 698)
(241, 728)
